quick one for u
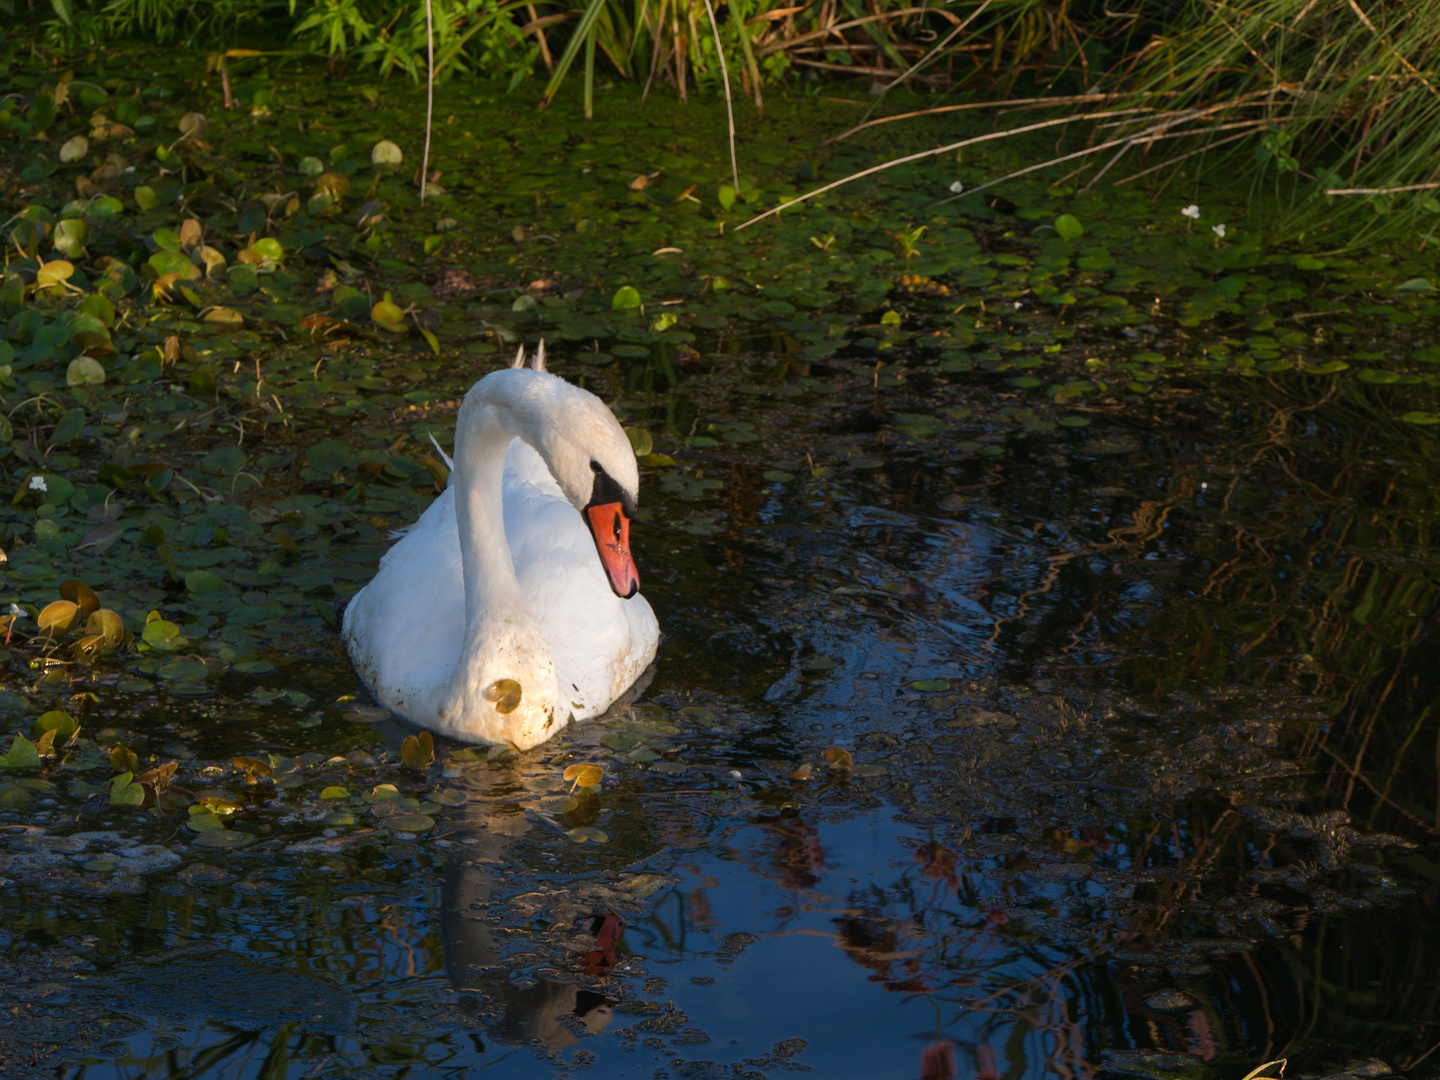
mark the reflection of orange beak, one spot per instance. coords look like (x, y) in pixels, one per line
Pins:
(611, 530)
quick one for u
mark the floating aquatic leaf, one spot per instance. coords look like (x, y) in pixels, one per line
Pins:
(626, 298)
(389, 315)
(58, 721)
(505, 693)
(640, 441)
(1069, 227)
(163, 635)
(409, 822)
(123, 759)
(145, 197)
(333, 184)
(182, 671)
(202, 820)
(106, 624)
(382, 793)
(204, 583)
(588, 834)
(125, 792)
(418, 751)
(584, 775)
(192, 125)
(839, 758)
(253, 768)
(335, 792)
(168, 263)
(84, 371)
(70, 425)
(22, 754)
(219, 315)
(70, 237)
(58, 617)
(930, 686)
(223, 838)
(73, 149)
(385, 152)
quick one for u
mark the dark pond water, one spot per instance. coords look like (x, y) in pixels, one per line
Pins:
(1047, 687)
(1118, 725)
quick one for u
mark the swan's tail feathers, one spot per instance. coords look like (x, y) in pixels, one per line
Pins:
(449, 461)
(538, 363)
(519, 361)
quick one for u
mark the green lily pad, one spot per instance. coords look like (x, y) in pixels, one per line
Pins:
(21, 755)
(931, 686)
(204, 583)
(588, 834)
(409, 822)
(225, 839)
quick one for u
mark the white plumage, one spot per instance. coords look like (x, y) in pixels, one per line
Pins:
(460, 609)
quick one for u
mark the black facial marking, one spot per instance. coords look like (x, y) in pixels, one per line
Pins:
(606, 490)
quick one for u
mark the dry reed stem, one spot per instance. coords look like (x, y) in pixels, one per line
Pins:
(1180, 158)
(1039, 102)
(1381, 190)
(724, 78)
(1125, 143)
(429, 95)
(990, 137)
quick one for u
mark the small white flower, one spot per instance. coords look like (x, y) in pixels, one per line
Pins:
(957, 187)
(1192, 212)
(16, 612)
(37, 483)
(1218, 230)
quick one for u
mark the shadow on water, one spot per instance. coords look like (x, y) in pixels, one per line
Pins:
(1138, 775)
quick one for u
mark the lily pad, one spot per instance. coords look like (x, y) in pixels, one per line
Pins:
(225, 839)
(409, 822)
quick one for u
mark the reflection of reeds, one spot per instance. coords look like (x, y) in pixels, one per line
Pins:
(1346, 620)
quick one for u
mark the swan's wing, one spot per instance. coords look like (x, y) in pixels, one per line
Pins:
(598, 642)
(404, 629)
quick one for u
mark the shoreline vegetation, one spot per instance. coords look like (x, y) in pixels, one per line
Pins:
(1328, 110)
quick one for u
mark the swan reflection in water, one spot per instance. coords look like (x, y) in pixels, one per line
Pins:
(538, 1008)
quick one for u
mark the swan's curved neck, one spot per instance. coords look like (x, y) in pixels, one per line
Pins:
(489, 572)
(501, 640)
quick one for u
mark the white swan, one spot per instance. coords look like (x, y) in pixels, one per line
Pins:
(511, 607)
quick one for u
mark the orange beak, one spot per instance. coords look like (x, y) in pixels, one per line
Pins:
(611, 530)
